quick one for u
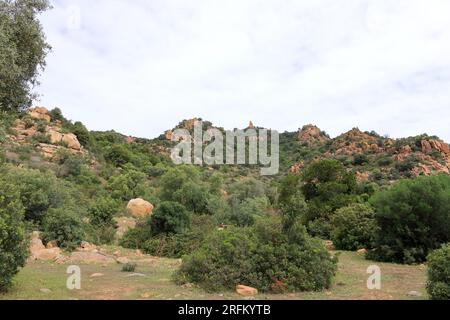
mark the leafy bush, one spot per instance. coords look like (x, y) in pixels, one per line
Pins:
(327, 187)
(38, 191)
(13, 242)
(354, 227)
(264, 257)
(169, 217)
(136, 238)
(178, 245)
(413, 218)
(102, 211)
(64, 226)
(438, 285)
(129, 267)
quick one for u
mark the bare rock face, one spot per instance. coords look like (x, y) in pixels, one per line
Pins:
(123, 225)
(169, 135)
(40, 113)
(311, 134)
(297, 168)
(246, 291)
(362, 176)
(429, 146)
(355, 142)
(69, 139)
(39, 252)
(139, 208)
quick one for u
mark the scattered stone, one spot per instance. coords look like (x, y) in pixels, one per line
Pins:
(97, 275)
(139, 208)
(330, 245)
(188, 286)
(122, 260)
(52, 244)
(39, 252)
(45, 290)
(414, 294)
(89, 257)
(134, 275)
(362, 251)
(86, 246)
(246, 291)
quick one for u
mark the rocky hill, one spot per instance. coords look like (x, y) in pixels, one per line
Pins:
(40, 137)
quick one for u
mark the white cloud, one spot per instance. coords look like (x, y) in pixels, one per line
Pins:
(140, 66)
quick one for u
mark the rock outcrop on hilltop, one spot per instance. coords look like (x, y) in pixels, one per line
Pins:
(421, 155)
(38, 128)
(311, 134)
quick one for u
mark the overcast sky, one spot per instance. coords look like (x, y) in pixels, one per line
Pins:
(141, 66)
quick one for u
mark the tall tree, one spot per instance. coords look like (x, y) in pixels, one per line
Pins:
(23, 49)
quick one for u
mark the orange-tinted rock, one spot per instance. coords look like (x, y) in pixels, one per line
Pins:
(246, 291)
(139, 208)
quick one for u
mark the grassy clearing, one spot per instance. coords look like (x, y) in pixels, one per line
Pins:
(153, 281)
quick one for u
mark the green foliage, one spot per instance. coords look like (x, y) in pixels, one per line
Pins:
(291, 201)
(129, 267)
(38, 191)
(168, 218)
(13, 242)
(135, 238)
(131, 184)
(119, 155)
(264, 257)
(178, 245)
(57, 115)
(22, 51)
(413, 217)
(438, 285)
(354, 227)
(327, 187)
(102, 211)
(63, 225)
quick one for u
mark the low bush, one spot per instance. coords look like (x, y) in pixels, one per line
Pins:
(438, 285)
(129, 267)
(64, 226)
(354, 227)
(169, 218)
(13, 242)
(264, 257)
(413, 218)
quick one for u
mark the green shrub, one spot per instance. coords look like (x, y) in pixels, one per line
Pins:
(136, 238)
(57, 115)
(169, 217)
(129, 267)
(413, 218)
(264, 257)
(178, 245)
(354, 227)
(64, 226)
(438, 285)
(38, 191)
(13, 242)
(102, 211)
(328, 186)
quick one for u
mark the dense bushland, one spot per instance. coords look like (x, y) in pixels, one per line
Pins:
(438, 285)
(263, 256)
(413, 218)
